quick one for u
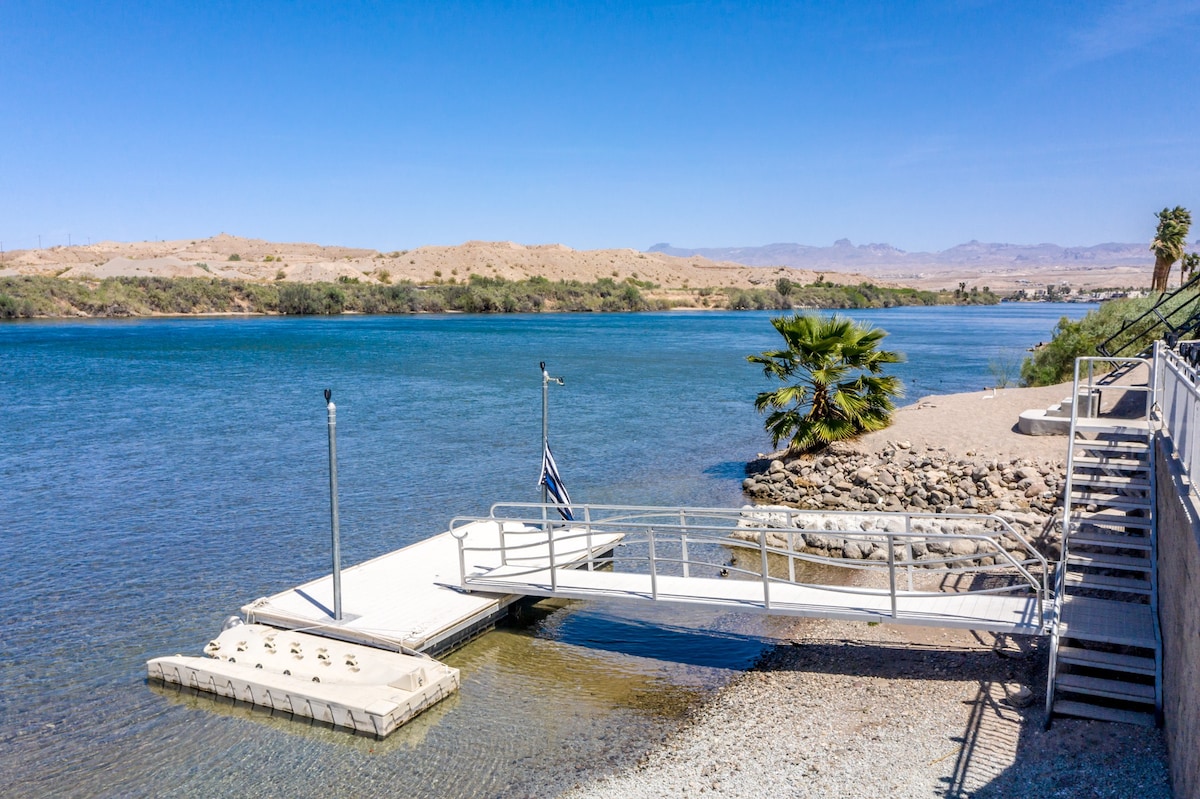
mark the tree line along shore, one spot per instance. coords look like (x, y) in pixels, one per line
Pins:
(28, 297)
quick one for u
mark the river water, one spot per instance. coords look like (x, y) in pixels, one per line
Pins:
(155, 475)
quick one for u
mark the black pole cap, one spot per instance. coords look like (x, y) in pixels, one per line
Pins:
(328, 395)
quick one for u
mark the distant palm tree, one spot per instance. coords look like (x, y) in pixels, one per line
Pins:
(1173, 226)
(834, 388)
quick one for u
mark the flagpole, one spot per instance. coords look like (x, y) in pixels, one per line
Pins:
(545, 428)
(546, 381)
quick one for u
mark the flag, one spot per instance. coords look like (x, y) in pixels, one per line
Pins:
(554, 485)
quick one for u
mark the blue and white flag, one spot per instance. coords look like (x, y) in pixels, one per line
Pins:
(554, 485)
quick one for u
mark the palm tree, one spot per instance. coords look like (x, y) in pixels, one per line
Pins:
(1173, 226)
(839, 390)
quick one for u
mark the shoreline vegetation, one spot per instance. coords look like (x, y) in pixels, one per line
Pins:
(34, 296)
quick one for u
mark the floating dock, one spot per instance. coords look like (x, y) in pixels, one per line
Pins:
(373, 669)
(410, 599)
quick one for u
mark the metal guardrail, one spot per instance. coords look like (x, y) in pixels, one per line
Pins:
(694, 542)
(1180, 401)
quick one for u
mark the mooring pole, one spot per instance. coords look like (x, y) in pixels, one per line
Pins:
(333, 506)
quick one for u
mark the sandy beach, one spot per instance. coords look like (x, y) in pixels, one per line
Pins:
(848, 709)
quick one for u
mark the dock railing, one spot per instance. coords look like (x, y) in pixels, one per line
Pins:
(713, 542)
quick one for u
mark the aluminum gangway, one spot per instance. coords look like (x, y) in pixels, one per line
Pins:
(984, 575)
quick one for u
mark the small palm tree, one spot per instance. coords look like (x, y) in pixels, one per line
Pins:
(839, 388)
(1173, 226)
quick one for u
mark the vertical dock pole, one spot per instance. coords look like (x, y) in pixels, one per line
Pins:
(333, 506)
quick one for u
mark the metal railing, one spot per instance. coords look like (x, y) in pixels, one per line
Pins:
(1180, 402)
(696, 542)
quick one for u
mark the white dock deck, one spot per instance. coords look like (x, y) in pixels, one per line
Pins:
(972, 611)
(410, 598)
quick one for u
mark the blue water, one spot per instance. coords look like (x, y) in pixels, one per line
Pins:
(155, 475)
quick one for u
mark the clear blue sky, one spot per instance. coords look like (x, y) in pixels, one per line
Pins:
(392, 125)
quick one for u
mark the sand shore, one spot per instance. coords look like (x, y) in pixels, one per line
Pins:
(846, 709)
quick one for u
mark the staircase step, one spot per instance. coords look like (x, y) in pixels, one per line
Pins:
(1119, 461)
(1107, 621)
(1096, 659)
(1125, 449)
(1110, 689)
(1114, 520)
(1114, 427)
(1104, 582)
(1102, 560)
(1110, 481)
(1094, 537)
(1110, 501)
(1083, 710)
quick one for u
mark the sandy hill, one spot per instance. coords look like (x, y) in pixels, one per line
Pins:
(255, 259)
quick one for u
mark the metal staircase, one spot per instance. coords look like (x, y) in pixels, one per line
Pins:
(1106, 653)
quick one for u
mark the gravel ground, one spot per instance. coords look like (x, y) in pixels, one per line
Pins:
(856, 710)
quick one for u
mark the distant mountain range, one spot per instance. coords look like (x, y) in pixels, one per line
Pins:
(884, 258)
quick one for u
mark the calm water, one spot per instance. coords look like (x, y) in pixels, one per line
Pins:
(158, 474)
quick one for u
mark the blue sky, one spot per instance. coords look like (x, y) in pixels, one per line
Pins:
(393, 125)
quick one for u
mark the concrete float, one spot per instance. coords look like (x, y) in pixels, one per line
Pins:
(368, 690)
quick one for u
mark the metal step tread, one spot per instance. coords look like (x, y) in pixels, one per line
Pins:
(1115, 520)
(1094, 537)
(1104, 582)
(1100, 686)
(1082, 493)
(1084, 710)
(1110, 502)
(1110, 481)
(1096, 659)
(1107, 621)
(1109, 445)
(1114, 426)
(1103, 560)
(1120, 461)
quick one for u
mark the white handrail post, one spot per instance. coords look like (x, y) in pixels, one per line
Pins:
(550, 547)
(891, 545)
(766, 572)
(791, 539)
(462, 564)
(683, 550)
(587, 523)
(653, 565)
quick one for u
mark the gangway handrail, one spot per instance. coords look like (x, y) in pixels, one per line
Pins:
(748, 518)
(677, 526)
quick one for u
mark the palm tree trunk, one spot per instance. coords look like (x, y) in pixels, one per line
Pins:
(1162, 273)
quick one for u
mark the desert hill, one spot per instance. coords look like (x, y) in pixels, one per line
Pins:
(1001, 267)
(258, 260)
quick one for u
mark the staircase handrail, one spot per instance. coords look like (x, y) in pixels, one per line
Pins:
(1106, 347)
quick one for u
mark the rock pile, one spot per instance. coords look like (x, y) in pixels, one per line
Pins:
(1021, 491)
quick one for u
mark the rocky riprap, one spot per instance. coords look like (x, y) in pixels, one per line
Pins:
(1021, 491)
